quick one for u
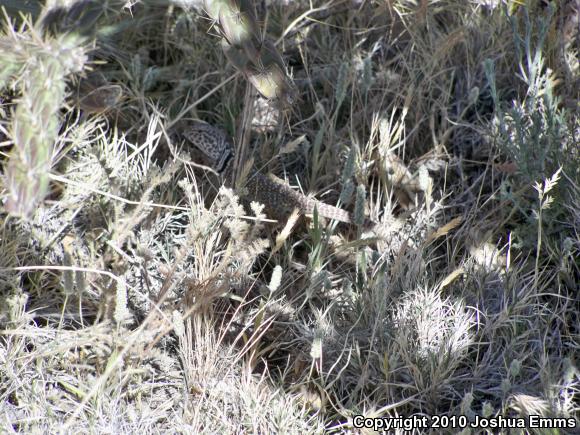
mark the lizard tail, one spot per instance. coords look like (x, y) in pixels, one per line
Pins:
(330, 212)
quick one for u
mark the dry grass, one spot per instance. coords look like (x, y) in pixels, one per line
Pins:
(136, 295)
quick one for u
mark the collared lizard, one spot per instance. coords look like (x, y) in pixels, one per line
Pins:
(278, 198)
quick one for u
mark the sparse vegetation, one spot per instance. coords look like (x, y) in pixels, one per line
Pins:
(137, 295)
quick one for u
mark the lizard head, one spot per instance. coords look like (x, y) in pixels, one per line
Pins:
(212, 142)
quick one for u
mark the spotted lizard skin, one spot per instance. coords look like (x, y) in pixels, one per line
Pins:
(278, 198)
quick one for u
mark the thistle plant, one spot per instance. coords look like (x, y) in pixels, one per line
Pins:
(36, 66)
(35, 61)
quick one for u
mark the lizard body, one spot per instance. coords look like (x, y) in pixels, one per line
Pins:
(278, 198)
